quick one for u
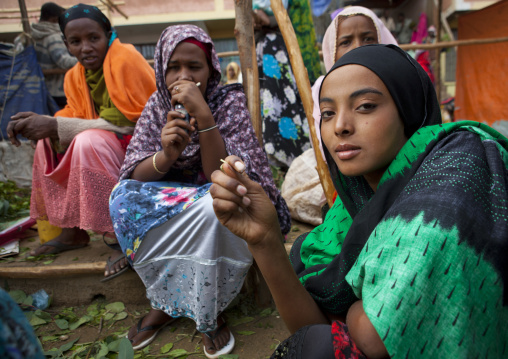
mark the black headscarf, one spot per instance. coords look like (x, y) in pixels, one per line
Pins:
(408, 83)
(452, 175)
(411, 90)
(80, 11)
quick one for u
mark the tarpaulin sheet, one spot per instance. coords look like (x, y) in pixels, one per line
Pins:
(482, 70)
(22, 86)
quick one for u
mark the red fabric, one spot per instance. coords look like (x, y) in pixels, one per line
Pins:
(343, 345)
(423, 60)
(74, 192)
(481, 69)
(201, 46)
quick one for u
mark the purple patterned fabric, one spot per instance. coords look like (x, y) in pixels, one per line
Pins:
(228, 105)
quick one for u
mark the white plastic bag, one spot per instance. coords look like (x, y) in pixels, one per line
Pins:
(302, 189)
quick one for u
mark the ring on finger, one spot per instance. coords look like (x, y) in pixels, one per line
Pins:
(177, 89)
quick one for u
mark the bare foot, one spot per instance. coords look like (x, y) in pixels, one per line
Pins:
(155, 318)
(220, 337)
(70, 238)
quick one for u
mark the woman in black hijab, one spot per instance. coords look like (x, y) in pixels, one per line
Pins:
(410, 258)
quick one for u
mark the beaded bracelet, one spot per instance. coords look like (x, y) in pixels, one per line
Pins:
(207, 129)
(155, 166)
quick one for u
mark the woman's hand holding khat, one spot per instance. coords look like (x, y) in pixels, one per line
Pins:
(242, 205)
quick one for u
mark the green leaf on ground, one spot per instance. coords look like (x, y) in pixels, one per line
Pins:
(116, 307)
(28, 300)
(84, 319)
(68, 345)
(35, 320)
(114, 346)
(43, 315)
(18, 296)
(103, 351)
(229, 356)
(62, 323)
(178, 353)
(48, 262)
(50, 338)
(246, 332)
(125, 349)
(120, 316)
(166, 348)
(237, 321)
(266, 312)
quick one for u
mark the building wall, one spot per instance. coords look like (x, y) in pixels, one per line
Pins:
(146, 18)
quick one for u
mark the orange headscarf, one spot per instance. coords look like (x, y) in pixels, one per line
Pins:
(130, 81)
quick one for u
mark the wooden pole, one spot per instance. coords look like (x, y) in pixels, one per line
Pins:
(244, 33)
(438, 50)
(302, 81)
(24, 16)
(54, 271)
(445, 44)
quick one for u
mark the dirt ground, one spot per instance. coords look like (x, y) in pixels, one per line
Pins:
(257, 330)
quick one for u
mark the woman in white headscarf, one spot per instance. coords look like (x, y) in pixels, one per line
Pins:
(353, 27)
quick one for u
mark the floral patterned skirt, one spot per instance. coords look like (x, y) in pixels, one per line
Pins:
(191, 265)
(285, 127)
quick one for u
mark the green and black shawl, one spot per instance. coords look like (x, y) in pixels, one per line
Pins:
(427, 252)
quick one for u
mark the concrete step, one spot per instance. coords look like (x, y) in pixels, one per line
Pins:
(73, 278)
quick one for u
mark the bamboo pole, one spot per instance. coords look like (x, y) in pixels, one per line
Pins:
(303, 84)
(244, 33)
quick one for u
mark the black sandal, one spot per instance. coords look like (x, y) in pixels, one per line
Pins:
(111, 263)
(148, 328)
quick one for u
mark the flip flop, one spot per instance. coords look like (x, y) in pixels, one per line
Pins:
(59, 247)
(110, 264)
(226, 349)
(157, 329)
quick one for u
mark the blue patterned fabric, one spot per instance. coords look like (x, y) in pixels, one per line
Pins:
(17, 338)
(137, 207)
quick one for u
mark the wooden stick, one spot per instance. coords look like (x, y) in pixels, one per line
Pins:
(52, 271)
(444, 44)
(24, 17)
(302, 81)
(228, 53)
(437, 69)
(440, 45)
(38, 9)
(244, 33)
(117, 9)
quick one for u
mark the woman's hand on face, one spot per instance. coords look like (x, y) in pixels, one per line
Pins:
(175, 135)
(31, 126)
(242, 205)
(191, 97)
